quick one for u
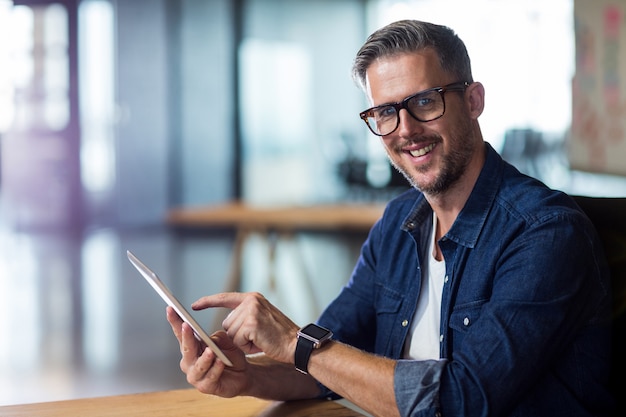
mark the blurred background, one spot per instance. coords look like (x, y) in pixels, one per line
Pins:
(114, 112)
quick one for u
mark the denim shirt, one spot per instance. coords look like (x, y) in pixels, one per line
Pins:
(525, 306)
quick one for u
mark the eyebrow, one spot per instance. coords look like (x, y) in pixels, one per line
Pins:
(391, 103)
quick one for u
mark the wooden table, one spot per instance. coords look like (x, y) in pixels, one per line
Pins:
(279, 222)
(327, 217)
(186, 402)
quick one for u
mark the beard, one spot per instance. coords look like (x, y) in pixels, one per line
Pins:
(453, 163)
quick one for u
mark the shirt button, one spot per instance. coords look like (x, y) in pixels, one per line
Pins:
(445, 280)
(405, 323)
(466, 321)
(440, 338)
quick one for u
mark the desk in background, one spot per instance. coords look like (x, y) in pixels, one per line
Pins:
(334, 217)
(186, 402)
(279, 222)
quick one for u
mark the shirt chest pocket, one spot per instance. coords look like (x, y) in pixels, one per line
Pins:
(462, 319)
(388, 305)
(388, 301)
(461, 322)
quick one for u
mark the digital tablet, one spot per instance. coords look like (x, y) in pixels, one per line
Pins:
(169, 298)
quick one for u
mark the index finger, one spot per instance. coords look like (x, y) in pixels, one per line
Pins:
(175, 321)
(226, 299)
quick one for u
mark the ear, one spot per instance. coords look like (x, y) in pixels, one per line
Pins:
(476, 98)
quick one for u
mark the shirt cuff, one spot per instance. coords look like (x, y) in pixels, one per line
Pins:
(416, 385)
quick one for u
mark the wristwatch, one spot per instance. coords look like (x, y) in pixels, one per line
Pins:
(310, 337)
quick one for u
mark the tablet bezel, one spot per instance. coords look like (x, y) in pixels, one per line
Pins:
(167, 296)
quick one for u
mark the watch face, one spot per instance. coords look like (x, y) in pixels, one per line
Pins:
(314, 331)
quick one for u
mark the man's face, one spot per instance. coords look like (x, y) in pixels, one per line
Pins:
(432, 155)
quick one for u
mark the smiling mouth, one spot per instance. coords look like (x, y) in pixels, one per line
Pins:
(422, 151)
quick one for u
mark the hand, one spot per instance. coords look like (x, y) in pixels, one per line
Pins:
(203, 369)
(255, 325)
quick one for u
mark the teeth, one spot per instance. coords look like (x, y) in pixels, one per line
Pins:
(423, 151)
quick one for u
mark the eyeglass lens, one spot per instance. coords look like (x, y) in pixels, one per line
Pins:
(424, 107)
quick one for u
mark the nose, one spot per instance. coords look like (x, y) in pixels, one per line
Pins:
(408, 125)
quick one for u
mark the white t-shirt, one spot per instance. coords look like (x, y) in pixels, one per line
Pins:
(423, 339)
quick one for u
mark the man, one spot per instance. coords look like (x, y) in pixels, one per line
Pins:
(479, 292)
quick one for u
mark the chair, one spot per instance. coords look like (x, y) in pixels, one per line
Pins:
(609, 217)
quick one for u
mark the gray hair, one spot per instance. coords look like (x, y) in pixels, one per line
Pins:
(407, 36)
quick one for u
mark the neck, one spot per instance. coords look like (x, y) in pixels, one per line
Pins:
(448, 205)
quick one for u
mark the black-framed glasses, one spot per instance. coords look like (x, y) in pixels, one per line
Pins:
(425, 106)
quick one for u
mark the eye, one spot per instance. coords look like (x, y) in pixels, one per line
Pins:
(385, 112)
(423, 101)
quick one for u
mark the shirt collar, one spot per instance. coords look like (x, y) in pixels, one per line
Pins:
(470, 221)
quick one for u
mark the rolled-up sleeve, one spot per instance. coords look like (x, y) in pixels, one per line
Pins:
(416, 385)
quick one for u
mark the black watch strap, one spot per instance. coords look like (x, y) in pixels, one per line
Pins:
(304, 347)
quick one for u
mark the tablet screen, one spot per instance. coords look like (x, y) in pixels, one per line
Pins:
(169, 298)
